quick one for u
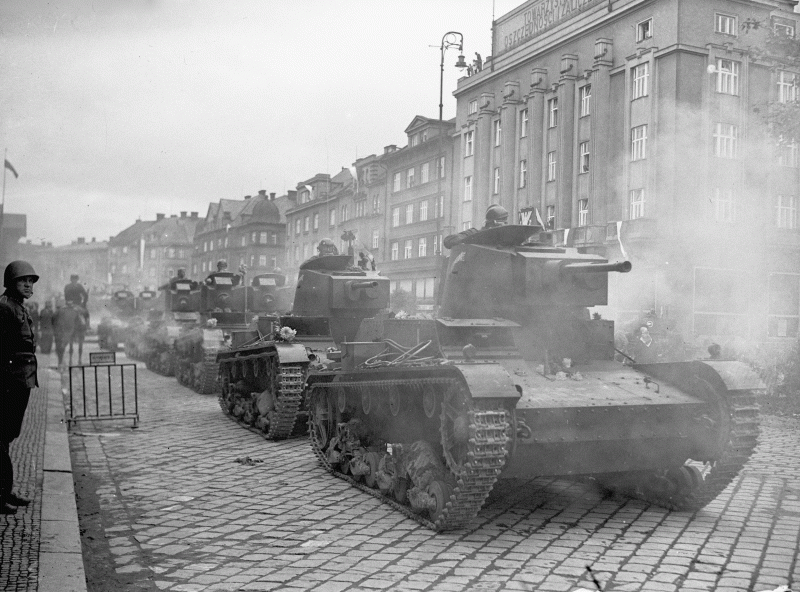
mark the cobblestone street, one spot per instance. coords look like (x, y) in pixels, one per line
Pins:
(191, 501)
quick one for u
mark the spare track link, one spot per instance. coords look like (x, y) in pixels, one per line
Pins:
(488, 449)
(209, 380)
(743, 438)
(289, 399)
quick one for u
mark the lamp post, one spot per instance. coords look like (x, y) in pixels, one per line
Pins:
(449, 39)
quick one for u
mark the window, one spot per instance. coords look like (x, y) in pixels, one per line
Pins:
(724, 206)
(552, 113)
(644, 30)
(410, 178)
(396, 183)
(496, 185)
(409, 213)
(305, 196)
(332, 218)
(726, 137)
(783, 27)
(425, 288)
(586, 100)
(787, 153)
(473, 107)
(306, 225)
(466, 225)
(262, 238)
(423, 136)
(551, 217)
(787, 86)
(637, 204)
(375, 238)
(468, 143)
(468, 188)
(523, 173)
(153, 253)
(262, 260)
(639, 143)
(273, 261)
(345, 216)
(437, 241)
(551, 166)
(316, 225)
(204, 265)
(498, 132)
(273, 238)
(641, 73)
(425, 172)
(395, 217)
(727, 77)
(725, 24)
(422, 251)
(441, 167)
(583, 212)
(413, 140)
(784, 304)
(297, 253)
(211, 245)
(361, 208)
(423, 210)
(376, 204)
(439, 207)
(407, 249)
(786, 211)
(584, 160)
(244, 239)
(523, 123)
(125, 252)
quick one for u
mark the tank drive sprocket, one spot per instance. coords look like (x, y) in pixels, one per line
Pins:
(470, 454)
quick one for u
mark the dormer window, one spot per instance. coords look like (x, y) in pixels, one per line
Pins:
(413, 140)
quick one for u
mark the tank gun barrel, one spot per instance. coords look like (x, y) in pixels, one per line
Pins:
(354, 285)
(621, 267)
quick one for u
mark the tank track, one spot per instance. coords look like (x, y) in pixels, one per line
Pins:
(744, 428)
(288, 400)
(486, 454)
(208, 382)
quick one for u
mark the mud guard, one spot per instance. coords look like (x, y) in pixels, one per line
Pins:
(488, 381)
(723, 375)
(291, 353)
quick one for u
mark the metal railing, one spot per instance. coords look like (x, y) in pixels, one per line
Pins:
(103, 397)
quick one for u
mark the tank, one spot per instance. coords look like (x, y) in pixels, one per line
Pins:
(515, 379)
(113, 327)
(148, 312)
(181, 304)
(264, 372)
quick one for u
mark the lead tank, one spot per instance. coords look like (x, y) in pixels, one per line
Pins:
(514, 378)
(263, 373)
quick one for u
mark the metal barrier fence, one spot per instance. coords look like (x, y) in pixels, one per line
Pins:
(106, 395)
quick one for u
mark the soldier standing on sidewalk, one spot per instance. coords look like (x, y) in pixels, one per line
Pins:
(17, 370)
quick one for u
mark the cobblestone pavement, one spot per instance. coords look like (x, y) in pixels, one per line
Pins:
(191, 501)
(20, 532)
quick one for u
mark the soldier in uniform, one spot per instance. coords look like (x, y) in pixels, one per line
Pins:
(170, 285)
(75, 294)
(326, 247)
(17, 370)
(496, 215)
(46, 328)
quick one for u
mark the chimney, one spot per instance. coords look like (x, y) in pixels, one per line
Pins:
(173, 215)
(159, 217)
(183, 214)
(292, 195)
(272, 197)
(94, 240)
(81, 240)
(262, 193)
(390, 148)
(194, 214)
(248, 196)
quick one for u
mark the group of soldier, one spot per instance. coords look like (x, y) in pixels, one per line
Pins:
(44, 319)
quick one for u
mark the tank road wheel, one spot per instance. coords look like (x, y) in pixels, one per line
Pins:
(341, 400)
(322, 422)
(455, 428)
(429, 401)
(441, 492)
(373, 459)
(395, 401)
(366, 400)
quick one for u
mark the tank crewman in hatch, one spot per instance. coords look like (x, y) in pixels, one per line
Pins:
(326, 247)
(222, 267)
(496, 215)
(171, 283)
(75, 294)
(17, 370)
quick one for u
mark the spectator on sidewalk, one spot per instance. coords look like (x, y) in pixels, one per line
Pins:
(17, 370)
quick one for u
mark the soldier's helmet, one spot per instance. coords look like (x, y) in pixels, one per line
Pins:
(16, 270)
(326, 247)
(222, 264)
(181, 272)
(496, 215)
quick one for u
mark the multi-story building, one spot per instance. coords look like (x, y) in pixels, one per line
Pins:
(242, 232)
(418, 208)
(12, 228)
(149, 252)
(636, 129)
(87, 259)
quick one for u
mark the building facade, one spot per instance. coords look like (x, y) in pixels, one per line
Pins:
(636, 129)
(418, 209)
(245, 232)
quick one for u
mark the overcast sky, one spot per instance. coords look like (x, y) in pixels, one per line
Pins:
(119, 109)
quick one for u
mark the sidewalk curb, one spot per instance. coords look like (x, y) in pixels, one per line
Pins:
(60, 555)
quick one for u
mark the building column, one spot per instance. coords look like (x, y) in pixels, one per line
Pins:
(536, 126)
(566, 115)
(602, 199)
(482, 177)
(509, 142)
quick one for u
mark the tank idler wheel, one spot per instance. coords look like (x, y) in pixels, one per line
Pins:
(685, 478)
(373, 459)
(366, 401)
(440, 491)
(395, 402)
(400, 489)
(429, 402)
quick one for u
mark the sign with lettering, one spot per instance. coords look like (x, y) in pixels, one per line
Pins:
(534, 18)
(102, 358)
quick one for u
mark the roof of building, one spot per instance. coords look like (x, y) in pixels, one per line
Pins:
(173, 230)
(132, 234)
(265, 210)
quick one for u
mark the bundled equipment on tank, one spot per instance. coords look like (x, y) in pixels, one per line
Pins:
(264, 371)
(515, 379)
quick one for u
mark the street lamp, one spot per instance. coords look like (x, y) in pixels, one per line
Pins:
(450, 39)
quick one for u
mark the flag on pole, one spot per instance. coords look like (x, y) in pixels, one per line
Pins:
(12, 169)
